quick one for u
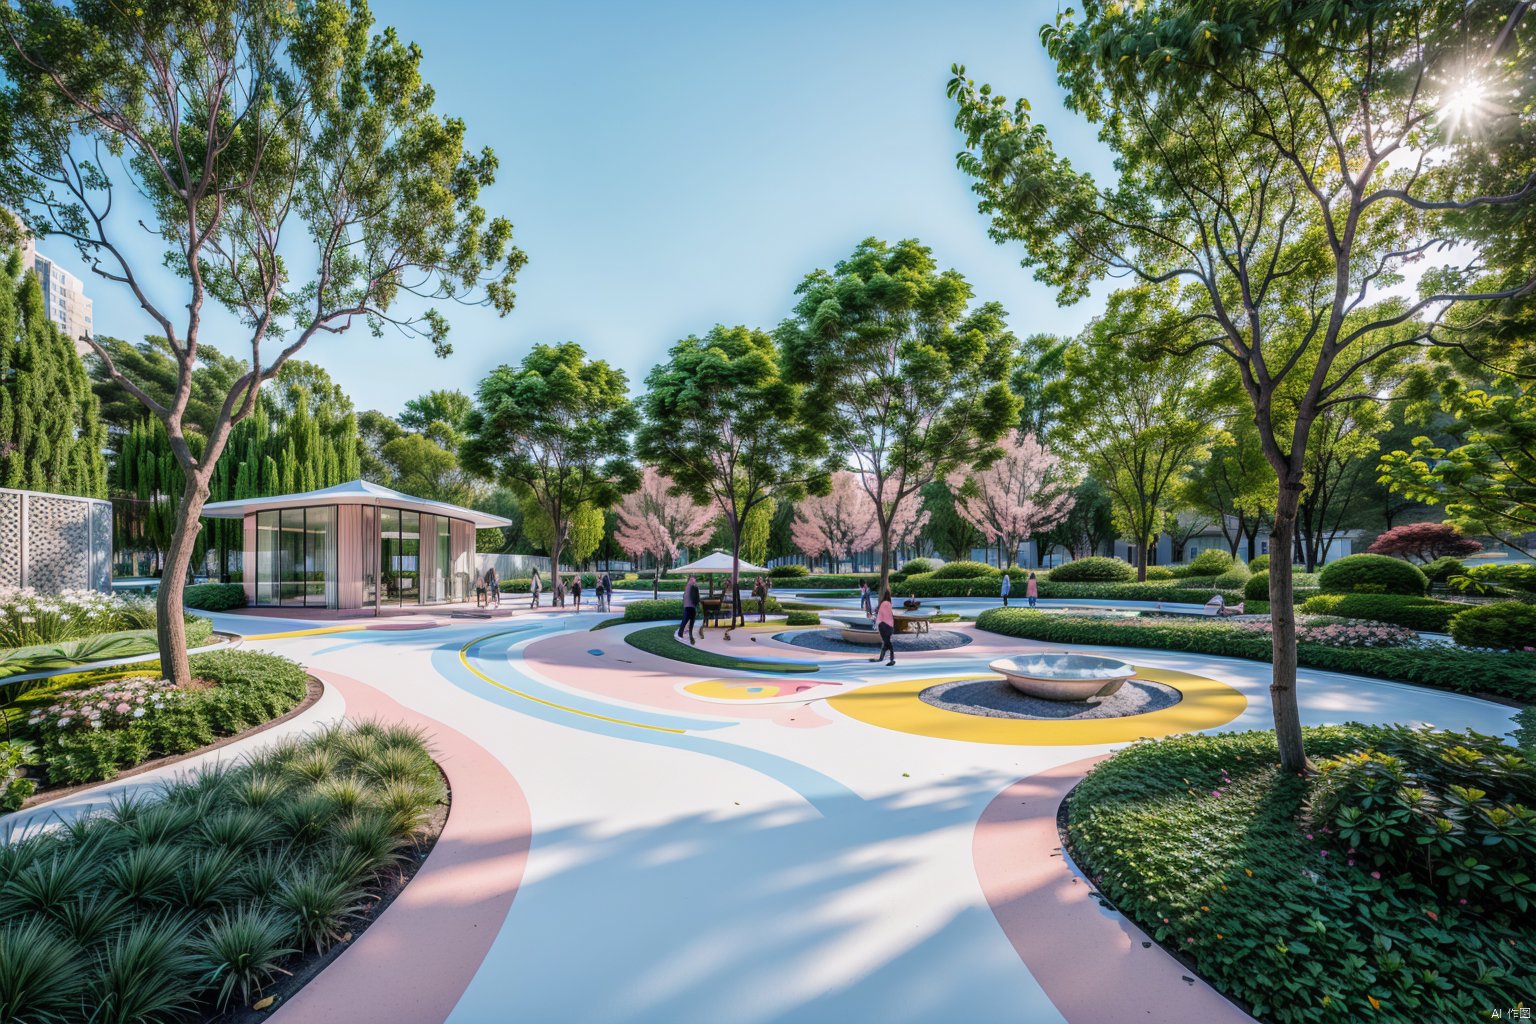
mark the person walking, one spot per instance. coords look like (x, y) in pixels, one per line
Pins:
(479, 591)
(762, 611)
(864, 599)
(1032, 590)
(535, 584)
(1007, 586)
(605, 592)
(690, 610)
(493, 585)
(576, 592)
(557, 599)
(760, 594)
(885, 622)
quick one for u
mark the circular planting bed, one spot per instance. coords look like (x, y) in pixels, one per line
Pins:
(994, 698)
(831, 642)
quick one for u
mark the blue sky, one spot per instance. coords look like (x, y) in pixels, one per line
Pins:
(673, 165)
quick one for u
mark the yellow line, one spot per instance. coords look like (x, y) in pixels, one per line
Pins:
(463, 657)
(318, 631)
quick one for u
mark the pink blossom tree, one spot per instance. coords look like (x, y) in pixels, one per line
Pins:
(1022, 494)
(835, 524)
(654, 521)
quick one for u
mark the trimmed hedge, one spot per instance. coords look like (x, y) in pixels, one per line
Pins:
(671, 609)
(1443, 568)
(802, 619)
(1257, 587)
(1210, 562)
(1258, 563)
(792, 571)
(1094, 569)
(214, 597)
(1507, 624)
(1511, 675)
(250, 688)
(1234, 578)
(912, 566)
(1425, 614)
(963, 570)
(1158, 573)
(1372, 574)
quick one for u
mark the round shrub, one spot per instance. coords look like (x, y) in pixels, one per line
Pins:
(1233, 579)
(792, 571)
(1258, 563)
(1442, 569)
(1257, 587)
(1372, 574)
(1508, 624)
(1425, 614)
(802, 618)
(1210, 562)
(917, 565)
(214, 597)
(963, 571)
(1160, 572)
(1095, 569)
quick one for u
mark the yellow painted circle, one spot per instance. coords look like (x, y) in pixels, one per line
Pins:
(748, 689)
(1205, 704)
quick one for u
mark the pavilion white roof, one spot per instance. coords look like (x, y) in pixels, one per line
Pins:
(716, 561)
(356, 492)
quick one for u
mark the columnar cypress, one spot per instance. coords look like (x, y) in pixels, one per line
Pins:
(51, 435)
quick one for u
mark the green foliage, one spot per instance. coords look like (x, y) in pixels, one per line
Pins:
(790, 571)
(1509, 675)
(1094, 569)
(916, 565)
(51, 433)
(1456, 812)
(1196, 839)
(1258, 564)
(173, 908)
(1504, 625)
(904, 377)
(1442, 569)
(14, 788)
(91, 649)
(249, 688)
(1160, 574)
(802, 619)
(1235, 578)
(1257, 587)
(964, 571)
(1210, 562)
(214, 597)
(1372, 574)
(1515, 579)
(1422, 613)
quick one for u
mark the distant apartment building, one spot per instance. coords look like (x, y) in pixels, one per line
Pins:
(63, 296)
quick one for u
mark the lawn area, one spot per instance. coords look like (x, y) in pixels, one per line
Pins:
(659, 640)
(1377, 890)
(229, 883)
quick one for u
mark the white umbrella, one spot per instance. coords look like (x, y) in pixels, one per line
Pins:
(716, 561)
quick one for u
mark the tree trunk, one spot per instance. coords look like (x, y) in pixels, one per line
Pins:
(170, 623)
(556, 590)
(1141, 559)
(735, 577)
(1282, 620)
(885, 554)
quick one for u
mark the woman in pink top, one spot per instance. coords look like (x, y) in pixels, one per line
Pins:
(1032, 589)
(885, 621)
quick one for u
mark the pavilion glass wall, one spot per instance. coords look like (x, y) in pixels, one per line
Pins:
(296, 557)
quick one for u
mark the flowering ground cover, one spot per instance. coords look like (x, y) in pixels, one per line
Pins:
(1395, 885)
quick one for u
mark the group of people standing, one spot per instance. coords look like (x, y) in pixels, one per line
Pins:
(570, 586)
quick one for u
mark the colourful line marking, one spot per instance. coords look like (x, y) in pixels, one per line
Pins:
(464, 658)
(317, 631)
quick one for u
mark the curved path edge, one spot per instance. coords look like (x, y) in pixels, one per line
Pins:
(1089, 960)
(414, 962)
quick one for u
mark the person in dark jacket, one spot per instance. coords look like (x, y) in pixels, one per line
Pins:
(885, 622)
(690, 610)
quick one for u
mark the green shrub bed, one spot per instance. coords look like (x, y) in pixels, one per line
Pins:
(214, 597)
(92, 733)
(1510, 675)
(1268, 887)
(196, 902)
(660, 640)
(802, 619)
(1372, 574)
(1425, 614)
(1507, 625)
(1095, 569)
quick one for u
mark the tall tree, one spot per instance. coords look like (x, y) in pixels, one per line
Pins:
(905, 380)
(1021, 495)
(659, 519)
(838, 523)
(952, 534)
(1138, 422)
(1089, 524)
(1234, 488)
(266, 137)
(51, 433)
(556, 430)
(1283, 161)
(723, 421)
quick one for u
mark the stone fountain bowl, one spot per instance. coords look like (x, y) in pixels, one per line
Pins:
(1064, 677)
(857, 631)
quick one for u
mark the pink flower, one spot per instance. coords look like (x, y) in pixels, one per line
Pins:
(1376, 874)
(123, 709)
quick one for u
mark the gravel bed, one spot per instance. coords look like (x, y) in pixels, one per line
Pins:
(994, 698)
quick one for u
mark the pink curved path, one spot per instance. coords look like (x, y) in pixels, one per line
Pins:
(412, 965)
(1090, 961)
